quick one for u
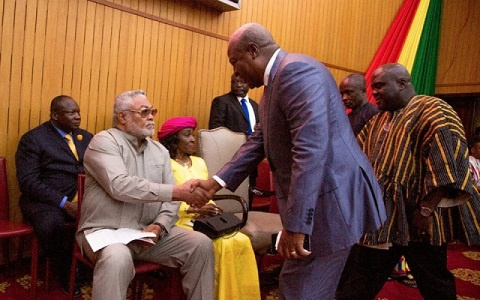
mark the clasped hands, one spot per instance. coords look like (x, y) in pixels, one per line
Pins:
(195, 192)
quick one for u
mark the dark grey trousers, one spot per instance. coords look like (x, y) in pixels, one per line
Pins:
(312, 278)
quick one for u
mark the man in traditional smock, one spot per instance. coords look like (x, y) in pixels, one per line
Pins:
(419, 153)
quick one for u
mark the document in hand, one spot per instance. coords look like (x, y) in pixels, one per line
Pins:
(104, 237)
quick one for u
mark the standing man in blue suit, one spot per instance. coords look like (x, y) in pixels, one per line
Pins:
(228, 110)
(47, 168)
(325, 185)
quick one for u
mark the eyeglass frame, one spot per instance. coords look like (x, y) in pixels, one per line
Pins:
(144, 113)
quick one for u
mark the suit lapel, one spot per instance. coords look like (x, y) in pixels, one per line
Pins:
(59, 140)
(79, 144)
(237, 105)
(266, 98)
(273, 72)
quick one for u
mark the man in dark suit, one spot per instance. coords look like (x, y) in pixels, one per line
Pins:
(353, 89)
(325, 185)
(228, 110)
(47, 169)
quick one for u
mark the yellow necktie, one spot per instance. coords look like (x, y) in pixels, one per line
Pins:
(71, 145)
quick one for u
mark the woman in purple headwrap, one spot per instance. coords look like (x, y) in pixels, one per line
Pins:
(236, 274)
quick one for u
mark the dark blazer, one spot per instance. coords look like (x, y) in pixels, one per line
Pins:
(46, 167)
(324, 183)
(227, 111)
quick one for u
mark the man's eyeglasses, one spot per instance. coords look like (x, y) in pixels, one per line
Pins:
(145, 112)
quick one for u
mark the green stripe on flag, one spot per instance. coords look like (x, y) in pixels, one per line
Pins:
(424, 71)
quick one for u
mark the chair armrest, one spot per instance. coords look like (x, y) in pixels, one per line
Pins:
(239, 199)
(261, 193)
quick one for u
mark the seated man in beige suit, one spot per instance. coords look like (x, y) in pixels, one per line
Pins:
(129, 184)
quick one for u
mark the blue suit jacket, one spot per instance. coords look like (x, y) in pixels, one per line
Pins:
(46, 167)
(325, 184)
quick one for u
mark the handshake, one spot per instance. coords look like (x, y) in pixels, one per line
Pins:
(196, 192)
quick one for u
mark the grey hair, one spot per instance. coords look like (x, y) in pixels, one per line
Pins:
(256, 34)
(123, 102)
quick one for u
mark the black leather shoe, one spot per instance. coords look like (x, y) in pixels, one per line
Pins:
(76, 290)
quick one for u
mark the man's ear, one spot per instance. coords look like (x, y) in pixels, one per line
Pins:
(54, 116)
(122, 117)
(402, 83)
(253, 50)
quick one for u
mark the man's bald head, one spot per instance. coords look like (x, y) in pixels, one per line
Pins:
(252, 33)
(392, 87)
(353, 90)
(249, 49)
(396, 70)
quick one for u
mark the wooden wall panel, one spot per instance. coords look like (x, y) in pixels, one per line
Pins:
(459, 52)
(175, 50)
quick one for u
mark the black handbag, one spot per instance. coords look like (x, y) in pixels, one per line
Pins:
(217, 226)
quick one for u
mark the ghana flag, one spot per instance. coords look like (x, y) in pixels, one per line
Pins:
(412, 41)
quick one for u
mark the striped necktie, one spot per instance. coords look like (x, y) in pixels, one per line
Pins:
(71, 145)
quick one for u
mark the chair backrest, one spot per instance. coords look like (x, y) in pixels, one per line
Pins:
(217, 147)
(265, 187)
(264, 176)
(80, 191)
(4, 199)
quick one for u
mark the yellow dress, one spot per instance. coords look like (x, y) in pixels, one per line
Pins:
(236, 274)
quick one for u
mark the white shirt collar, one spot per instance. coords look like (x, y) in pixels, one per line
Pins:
(269, 67)
(240, 98)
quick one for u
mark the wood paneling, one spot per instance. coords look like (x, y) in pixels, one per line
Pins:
(465, 106)
(459, 52)
(176, 51)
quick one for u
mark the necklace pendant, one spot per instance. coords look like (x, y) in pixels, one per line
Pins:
(183, 164)
(386, 127)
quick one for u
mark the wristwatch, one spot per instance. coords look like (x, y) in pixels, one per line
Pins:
(162, 234)
(425, 211)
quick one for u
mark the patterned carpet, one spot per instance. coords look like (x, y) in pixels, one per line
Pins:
(464, 262)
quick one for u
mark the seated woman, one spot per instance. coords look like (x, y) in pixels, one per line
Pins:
(236, 275)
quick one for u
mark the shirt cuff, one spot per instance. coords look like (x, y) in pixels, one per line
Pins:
(62, 203)
(220, 181)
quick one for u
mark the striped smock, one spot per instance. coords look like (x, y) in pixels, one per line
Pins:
(414, 150)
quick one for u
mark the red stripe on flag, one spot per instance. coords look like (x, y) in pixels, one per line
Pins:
(393, 42)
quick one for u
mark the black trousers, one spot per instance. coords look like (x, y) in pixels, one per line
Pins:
(367, 270)
(54, 238)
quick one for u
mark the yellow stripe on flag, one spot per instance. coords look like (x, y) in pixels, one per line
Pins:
(409, 50)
